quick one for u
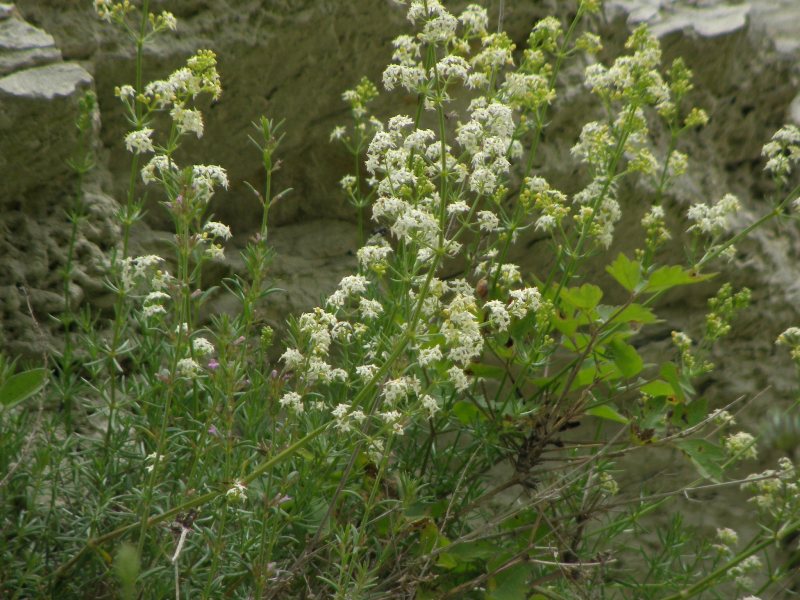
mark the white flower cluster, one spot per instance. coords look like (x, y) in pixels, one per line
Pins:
(197, 77)
(187, 120)
(139, 141)
(774, 487)
(634, 78)
(741, 445)
(782, 152)
(136, 268)
(202, 347)
(487, 138)
(152, 304)
(320, 329)
(188, 367)
(237, 492)
(350, 286)
(599, 210)
(791, 339)
(713, 220)
(203, 179)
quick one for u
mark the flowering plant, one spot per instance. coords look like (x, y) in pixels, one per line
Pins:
(446, 423)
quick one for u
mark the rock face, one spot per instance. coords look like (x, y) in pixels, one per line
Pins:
(39, 98)
(291, 59)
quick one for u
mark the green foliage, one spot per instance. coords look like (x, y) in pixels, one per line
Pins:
(427, 432)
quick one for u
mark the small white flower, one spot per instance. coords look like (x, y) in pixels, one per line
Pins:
(353, 285)
(488, 221)
(237, 491)
(188, 120)
(429, 356)
(498, 315)
(202, 346)
(366, 371)
(340, 411)
(458, 378)
(153, 460)
(742, 445)
(126, 92)
(292, 358)
(139, 141)
(475, 20)
(370, 309)
(292, 400)
(188, 367)
(151, 310)
(524, 301)
(217, 229)
(456, 208)
(429, 403)
(337, 133)
(453, 66)
(206, 177)
(169, 20)
(728, 536)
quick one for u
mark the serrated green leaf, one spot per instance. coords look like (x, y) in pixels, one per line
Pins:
(447, 561)
(691, 413)
(21, 386)
(625, 357)
(706, 457)
(657, 388)
(485, 371)
(672, 276)
(578, 342)
(669, 371)
(567, 326)
(585, 297)
(635, 313)
(466, 412)
(470, 551)
(627, 272)
(510, 584)
(607, 412)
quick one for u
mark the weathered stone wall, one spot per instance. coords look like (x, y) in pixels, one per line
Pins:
(39, 95)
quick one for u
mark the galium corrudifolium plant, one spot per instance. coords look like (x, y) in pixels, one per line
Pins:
(367, 462)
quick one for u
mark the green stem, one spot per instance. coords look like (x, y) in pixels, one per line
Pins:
(709, 579)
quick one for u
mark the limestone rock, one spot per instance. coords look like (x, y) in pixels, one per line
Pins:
(38, 108)
(39, 105)
(22, 46)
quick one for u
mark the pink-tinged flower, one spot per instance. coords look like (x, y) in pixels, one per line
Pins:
(280, 499)
(238, 340)
(213, 431)
(213, 364)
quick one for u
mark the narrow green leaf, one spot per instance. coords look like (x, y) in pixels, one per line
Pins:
(607, 412)
(628, 273)
(21, 386)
